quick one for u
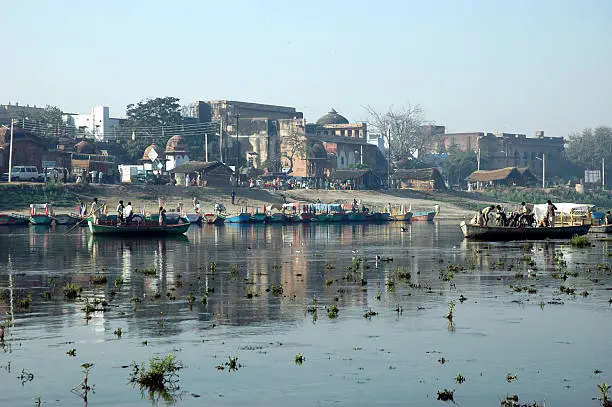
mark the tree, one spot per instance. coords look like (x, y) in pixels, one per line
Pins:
(154, 112)
(586, 149)
(459, 165)
(293, 145)
(407, 137)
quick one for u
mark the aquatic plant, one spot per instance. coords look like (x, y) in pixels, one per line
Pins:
(277, 290)
(25, 376)
(160, 377)
(567, 290)
(511, 377)
(71, 352)
(332, 312)
(369, 313)
(446, 395)
(299, 359)
(118, 332)
(152, 271)
(83, 388)
(329, 267)
(378, 295)
(118, 281)
(232, 364)
(604, 389)
(191, 299)
(99, 279)
(451, 309)
(212, 267)
(72, 291)
(442, 360)
(580, 241)
(460, 378)
(24, 303)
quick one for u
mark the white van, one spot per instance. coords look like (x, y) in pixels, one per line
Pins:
(23, 173)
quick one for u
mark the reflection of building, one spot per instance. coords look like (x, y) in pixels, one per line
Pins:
(501, 150)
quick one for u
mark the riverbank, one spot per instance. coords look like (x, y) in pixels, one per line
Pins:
(65, 197)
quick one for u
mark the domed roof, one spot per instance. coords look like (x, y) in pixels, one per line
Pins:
(176, 144)
(152, 147)
(85, 147)
(332, 117)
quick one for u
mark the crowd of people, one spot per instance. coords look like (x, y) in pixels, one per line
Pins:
(523, 216)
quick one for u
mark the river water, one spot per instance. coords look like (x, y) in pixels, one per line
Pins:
(261, 285)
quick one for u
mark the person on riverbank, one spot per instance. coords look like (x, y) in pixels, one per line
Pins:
(120, 209)
(485, 214)
(549, 220)
(233, 197)
(128, 212)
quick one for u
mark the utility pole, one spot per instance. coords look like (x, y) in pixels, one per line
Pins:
(603, 173)
(11, 154)
(237, 148)
(206, 146)
(543, 170)
(221, 139)
(389, 158)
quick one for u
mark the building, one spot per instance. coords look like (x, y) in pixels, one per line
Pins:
(501, 150)
(379, 141)
(213, 174)
(97, 124)
(511, 176)
(354, 179)
(425, 179)
(177, 152)
(29, 149)
(87, 158)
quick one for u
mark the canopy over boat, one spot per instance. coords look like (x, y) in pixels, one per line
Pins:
(567, 209)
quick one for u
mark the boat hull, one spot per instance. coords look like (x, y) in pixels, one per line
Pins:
(514, 233)
(601, 229)
(306, 217)
(65, 219)
(423, 216)
(242, 218)
(41, 219)
(336, 217)
(277, 218)
(214, 219)
(356, 216)
(138, 229)
(259, 218)
(13, 220)
(194, 218)
(403, 217)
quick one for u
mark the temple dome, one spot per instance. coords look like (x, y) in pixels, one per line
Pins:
(85, 147)
(176, 144)
(155, 147)
(332, 117)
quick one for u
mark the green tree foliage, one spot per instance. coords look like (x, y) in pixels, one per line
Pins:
(459, 165)
(586, 149)
(154, 112)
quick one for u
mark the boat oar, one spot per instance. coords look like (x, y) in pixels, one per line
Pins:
(77, 224)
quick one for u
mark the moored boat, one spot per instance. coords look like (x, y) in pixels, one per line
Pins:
(214, 218)
(242, 218)
(424, 216)
(41, 214)
(65, 219)
(145, 228)
(194, 218)
(356, 216)
(601, 229)
(259, 217)
(525, 233)
(277, 217)
(403, 217)
(336, 217)
(13, 219)
(306, 217)
(320, 217)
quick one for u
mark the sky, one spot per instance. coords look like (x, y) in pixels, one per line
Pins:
(514, 66)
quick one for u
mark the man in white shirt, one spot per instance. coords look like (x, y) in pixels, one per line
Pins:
(129, 212)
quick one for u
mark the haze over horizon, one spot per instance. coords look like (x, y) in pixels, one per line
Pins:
(498, 66)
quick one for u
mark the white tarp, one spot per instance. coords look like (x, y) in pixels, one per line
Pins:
(566, 209)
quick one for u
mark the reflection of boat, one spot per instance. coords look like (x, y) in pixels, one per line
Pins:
(242, 218)
(41, 214)
(403, 217)
(214, 218)
(13, 219)
(601, 229)
(138, 228)
(425, 215)
(146, 239)
(66, 219)
(514, 233)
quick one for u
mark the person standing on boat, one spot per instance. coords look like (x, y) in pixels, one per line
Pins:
(94, 210)
(162, 216)
(120, 209)
(500, 216)
(549, 221)
(485, 213)
(129, 212)
(608, 218)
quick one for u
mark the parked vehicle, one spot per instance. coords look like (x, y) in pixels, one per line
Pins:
(23, 173)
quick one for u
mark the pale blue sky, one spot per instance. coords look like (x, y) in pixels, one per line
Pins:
(472, 65)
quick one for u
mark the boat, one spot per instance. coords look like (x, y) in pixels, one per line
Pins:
(66, 219)
(194, 218)
(526, 233)
(356, 216)
(145, 228)
(403, 217)
(13, 219)
(424, 215)
(214, 218)
(242, 218)
(320, 217)
(277, 217)
(378, 217)
(601, 229)
(41, 214)
(335, 217)
(258, 217)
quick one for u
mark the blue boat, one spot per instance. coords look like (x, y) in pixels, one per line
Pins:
(242, 218)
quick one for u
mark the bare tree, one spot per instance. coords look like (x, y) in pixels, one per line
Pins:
(407, 137)
(293, 145)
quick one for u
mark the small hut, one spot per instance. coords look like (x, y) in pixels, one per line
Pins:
(354, 179)
(503, 176)
(424, 179)
(201, 173)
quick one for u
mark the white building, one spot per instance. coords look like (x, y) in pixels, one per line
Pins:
(379, 141)
(97, 124)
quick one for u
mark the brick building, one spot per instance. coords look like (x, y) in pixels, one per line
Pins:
(29, 149)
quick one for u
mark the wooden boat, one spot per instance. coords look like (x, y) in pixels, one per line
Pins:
(259, 218)
(40, 219)
(242, 218)
(214, 218)
(194, 218)
(65, 219)
(356, 216)
(336, 217)
(146, 228)
(513, 233)
(277, 217)
(601, 229)
(320, 217)
(403, 217)
(306, 217)
(41, 214)
(425, 216)
(13, 219)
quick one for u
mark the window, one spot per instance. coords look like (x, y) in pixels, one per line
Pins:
(342, 160)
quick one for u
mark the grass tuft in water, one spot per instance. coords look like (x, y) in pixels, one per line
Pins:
(72, 291)
(299, 359)
(159, 377)
(446, 395)
(332, 312)
(580, 241)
